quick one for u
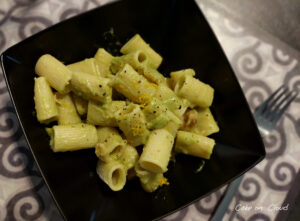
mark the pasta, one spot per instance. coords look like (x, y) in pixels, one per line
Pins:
(194, 144)
(132, 122)
(205, 123)
(88, 65)
(45, 106)
(112, 173)
(186, 86)
(149, 180)
(91, 87)
(103, 59)
(133, 85)
(125, 110)
(140, 61)
(177, 75)
(103, 114)
(110, 144)
(175, 104)
(80, 104)
(56, 73)
(157, 151)
(73, 137)
(172, 127)
(67, 113)
(158, 115)
(136, 43)
(129, 157)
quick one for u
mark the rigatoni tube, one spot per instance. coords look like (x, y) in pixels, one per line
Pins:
(206, 124)
(44, 100)
(56, 73)
(194, 144)
(80, 104)
(152, 75)
(157, 151)
(73, 137)
(150, 181)
(129, 156)
(136, 43)
(92, 87)
(139, 60)
(172, 127)
(103, 114)
(195, 91)
(88, 65)
(132, 122)
(112, 173)
(175, 104)
(103, 59)
(67, 113)
(133, 85)
(177, 75)
(110, 144)
(158, 115)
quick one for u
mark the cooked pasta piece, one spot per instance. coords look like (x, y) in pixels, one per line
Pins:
(80, 104)
(175, 104)
(133, 86)
(110, 145)
(103, 114)
(129, 157)
(91, 87)
(152, 75)
(112, 173)
(56, 73)
(157, 151)
(190, 119)
(73, 137)
(177, 75)
(136, 43)
(205, 123)
(194, 144)
(45, 106)
(139, 60)
(150, 181)
(67, 113)
(132, 122)
(195, 91)
(103, 59)
(158, 115)
(172, 127)
(88, 65)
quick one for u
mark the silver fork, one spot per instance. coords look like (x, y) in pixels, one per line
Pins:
(266, 117)
(268, 113)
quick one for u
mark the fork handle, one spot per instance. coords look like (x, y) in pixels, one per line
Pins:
(226, 200)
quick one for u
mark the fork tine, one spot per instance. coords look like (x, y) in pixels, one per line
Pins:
(263, 106)
(277, 106)
(283, 109)
(272, 104)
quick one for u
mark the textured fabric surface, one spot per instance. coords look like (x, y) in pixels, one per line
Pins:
(260, 66)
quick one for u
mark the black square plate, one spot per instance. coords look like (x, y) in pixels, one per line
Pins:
(179, 32)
